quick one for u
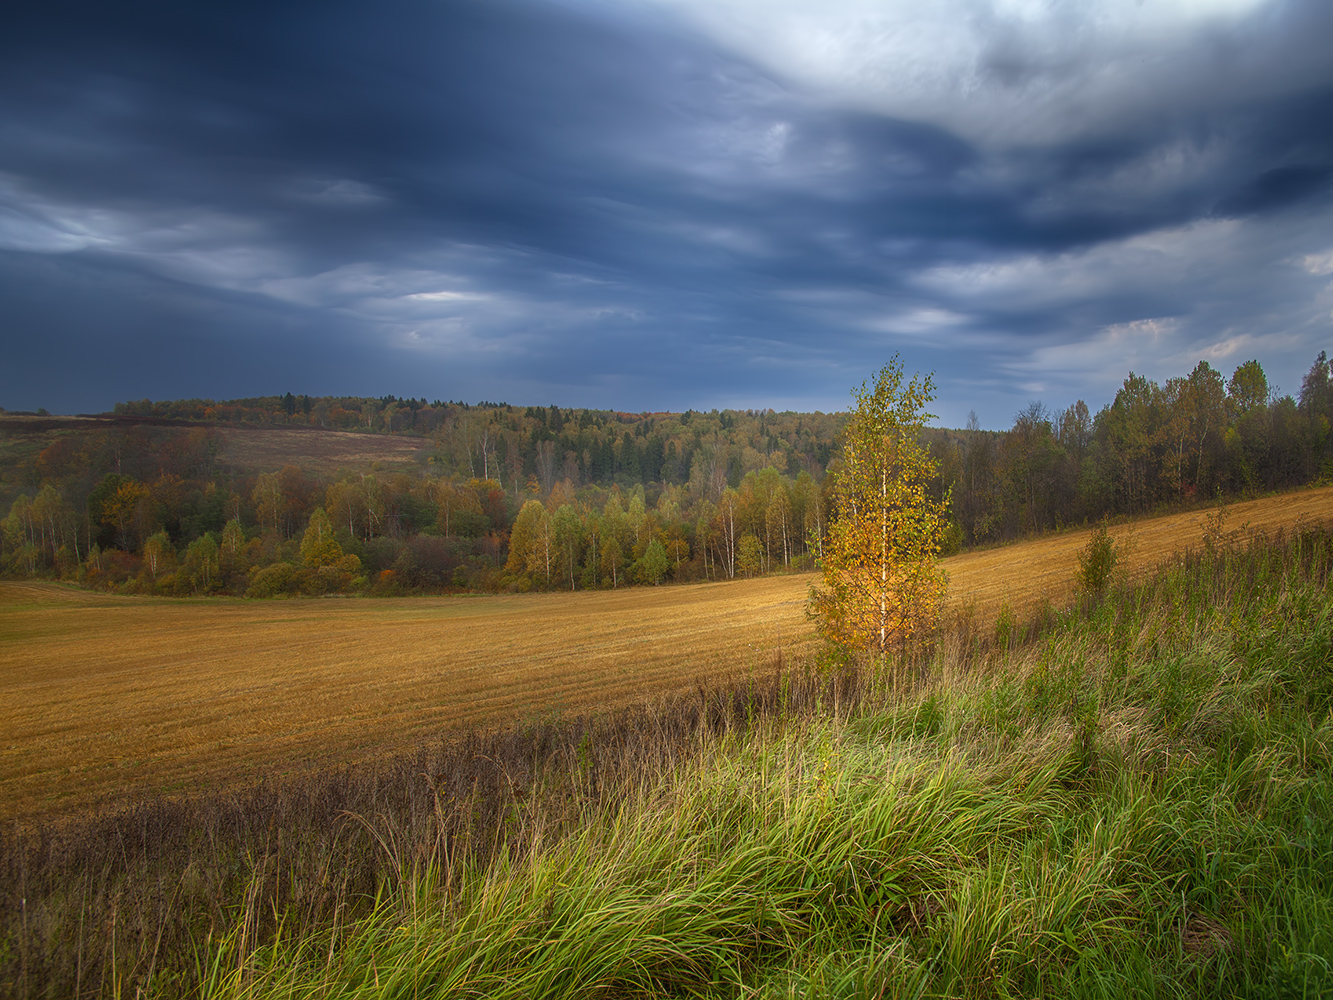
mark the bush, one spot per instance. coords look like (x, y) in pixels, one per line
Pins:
(429, 562)
(382, 553)
(386, 584)
(110, 568)
(1097, 560)
(271, 581)
(951, 543)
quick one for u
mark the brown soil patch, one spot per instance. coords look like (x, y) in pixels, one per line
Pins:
(106, 696)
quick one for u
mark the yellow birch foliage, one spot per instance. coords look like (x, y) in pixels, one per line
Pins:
(881, 575)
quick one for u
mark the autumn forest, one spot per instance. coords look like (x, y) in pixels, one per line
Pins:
(169, 498)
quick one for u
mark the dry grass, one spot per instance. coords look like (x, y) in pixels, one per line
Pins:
(1023, 574)
(111, 697)
(316, 451)
(259, 449)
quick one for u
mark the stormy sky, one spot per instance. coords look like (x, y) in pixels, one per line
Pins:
(660, 204)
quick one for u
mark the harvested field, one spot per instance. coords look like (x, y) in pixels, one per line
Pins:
(253, 448)
(1044, 568)
(106, 696)
(266, 449)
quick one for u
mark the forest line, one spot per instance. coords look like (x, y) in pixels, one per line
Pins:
(514, 498)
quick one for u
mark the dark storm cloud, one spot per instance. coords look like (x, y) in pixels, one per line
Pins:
(541, 201)
(1277, 188)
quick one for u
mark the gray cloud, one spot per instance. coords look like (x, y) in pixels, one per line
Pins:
(656, 207)
(1278, 188)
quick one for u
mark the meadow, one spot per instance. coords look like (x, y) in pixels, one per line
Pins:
(318, 451)
(1129, 794)
(112, 698)
(258, 449)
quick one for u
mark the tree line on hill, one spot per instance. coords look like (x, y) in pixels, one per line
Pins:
(1154, 446)
(545, 497)
(515, 445)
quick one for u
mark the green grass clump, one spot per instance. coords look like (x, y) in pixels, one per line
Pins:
(1130, 797)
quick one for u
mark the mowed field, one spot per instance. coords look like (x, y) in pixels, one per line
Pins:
(105, 697)
(258, 449)
(318, 451)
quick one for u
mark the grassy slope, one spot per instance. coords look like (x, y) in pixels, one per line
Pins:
(248, 448)
(116, 697)
(1136, 803)
(324, 452)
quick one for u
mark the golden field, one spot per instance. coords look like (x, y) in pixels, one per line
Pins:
(106, 697)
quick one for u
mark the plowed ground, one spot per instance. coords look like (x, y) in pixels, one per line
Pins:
(105, 697)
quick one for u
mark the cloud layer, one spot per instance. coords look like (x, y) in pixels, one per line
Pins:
(660, 206)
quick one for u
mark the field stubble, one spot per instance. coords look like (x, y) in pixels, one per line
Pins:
(318, 450)
(108, 698)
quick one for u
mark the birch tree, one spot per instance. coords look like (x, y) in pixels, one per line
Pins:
(882, 582)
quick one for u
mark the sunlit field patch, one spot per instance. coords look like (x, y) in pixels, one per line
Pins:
(108, 697)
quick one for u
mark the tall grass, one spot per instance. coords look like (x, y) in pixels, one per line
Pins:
(1132, 796)
(102, 905)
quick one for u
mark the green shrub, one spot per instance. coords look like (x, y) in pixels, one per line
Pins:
(1097, 561)
(271, 581)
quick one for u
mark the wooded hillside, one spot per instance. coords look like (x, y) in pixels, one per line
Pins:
(188, 496)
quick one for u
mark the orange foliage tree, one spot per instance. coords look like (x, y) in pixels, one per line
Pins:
(881, 576)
